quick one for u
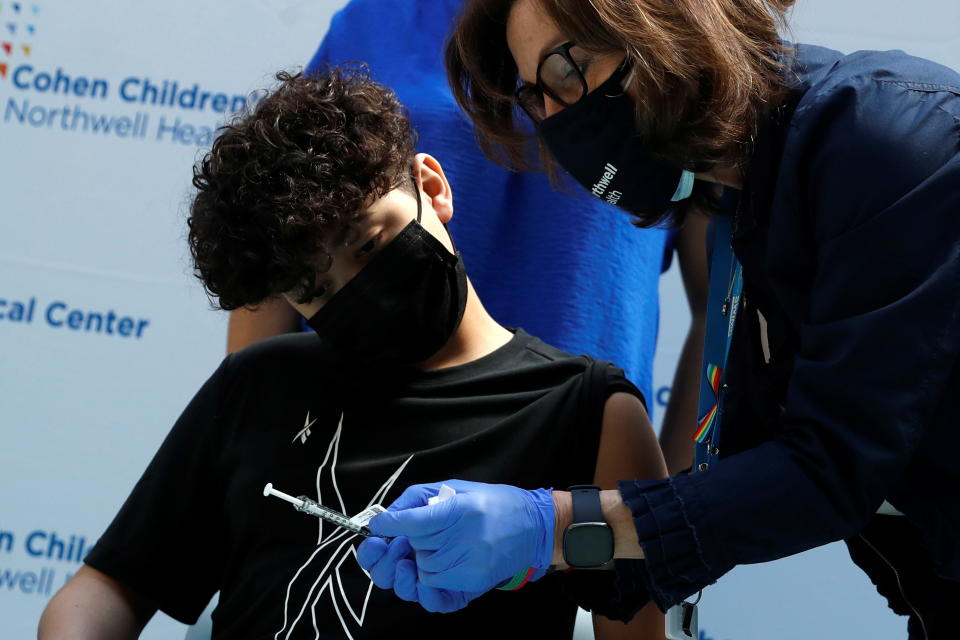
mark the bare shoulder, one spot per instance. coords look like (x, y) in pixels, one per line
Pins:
(628, 443)
(91, 576)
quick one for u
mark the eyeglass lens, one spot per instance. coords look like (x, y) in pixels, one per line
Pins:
(560, 76)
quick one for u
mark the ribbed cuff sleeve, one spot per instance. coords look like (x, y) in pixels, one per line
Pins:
(676, 567)
(617, 594)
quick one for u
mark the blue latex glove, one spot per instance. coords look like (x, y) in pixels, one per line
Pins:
(470, 543)
(392, 566)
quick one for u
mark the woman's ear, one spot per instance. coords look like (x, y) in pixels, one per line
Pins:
(433, 185)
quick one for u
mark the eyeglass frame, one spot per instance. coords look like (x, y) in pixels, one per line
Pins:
(564, 51)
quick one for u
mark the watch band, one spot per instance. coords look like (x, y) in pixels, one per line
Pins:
(586, 503)
(588, 540)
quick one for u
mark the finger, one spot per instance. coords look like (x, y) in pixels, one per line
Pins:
(427, 527)
(455, 581)
(414, 496)
(384, 571)
(463, 486)
(448, 558)
(414, 523)
(405, 582)
(418, 495)
(370, 551)
(440, 600)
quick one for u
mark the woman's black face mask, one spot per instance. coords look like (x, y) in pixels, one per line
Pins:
(595, 141)
(398, 310)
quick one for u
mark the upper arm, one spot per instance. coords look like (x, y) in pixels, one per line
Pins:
(628, 445)
(882, 195)
(271, 318)
(93, 605)
(692, 258)
(170, 526)
(883, 302)
(628, 449)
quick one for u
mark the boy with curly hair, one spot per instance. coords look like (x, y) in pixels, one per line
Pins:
(316, 196)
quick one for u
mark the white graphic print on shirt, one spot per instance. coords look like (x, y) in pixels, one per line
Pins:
(304, 433)
(334, 553)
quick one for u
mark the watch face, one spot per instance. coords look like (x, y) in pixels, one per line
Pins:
(588, 544)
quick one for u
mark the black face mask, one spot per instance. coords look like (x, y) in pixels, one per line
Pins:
(400, 309)
(595, 140)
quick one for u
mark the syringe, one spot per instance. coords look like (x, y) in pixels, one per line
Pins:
(306, 505)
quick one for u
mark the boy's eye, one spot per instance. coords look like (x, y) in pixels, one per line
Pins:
(368, 246)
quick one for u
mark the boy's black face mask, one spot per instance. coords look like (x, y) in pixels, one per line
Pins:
(400, 309)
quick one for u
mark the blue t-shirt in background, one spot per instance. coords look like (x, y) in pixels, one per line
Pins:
(566, 267)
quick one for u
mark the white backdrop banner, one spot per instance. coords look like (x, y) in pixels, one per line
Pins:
(104, 334)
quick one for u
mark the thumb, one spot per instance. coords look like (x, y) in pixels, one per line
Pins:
(415, 495)
(414, 522)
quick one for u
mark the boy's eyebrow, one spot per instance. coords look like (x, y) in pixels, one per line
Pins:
(345, 233)
(342, 235)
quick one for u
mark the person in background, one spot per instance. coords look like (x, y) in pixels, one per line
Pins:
(559, 263)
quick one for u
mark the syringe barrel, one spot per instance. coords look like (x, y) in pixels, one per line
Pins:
(307, 506)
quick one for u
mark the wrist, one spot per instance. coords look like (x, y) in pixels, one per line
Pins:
(617, 514)
(563, 516)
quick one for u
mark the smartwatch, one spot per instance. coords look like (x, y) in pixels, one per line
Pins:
(588, 540)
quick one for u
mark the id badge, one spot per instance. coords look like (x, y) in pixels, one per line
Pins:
(682, 623)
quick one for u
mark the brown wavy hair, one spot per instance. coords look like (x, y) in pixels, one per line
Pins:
(704, 70)
(282, 177)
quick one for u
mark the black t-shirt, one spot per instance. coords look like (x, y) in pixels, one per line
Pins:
(197, 522)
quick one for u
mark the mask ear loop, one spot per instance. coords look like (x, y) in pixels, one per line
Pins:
(416, 193)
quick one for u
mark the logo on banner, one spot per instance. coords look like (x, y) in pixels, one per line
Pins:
(61, 316)
(37, 560)
(17, 38)
(35, 84)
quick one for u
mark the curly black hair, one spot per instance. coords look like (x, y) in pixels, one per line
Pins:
(283, 176)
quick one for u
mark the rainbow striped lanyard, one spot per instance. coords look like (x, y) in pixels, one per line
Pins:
(723, 305)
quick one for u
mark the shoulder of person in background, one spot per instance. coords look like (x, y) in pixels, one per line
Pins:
(273, 316)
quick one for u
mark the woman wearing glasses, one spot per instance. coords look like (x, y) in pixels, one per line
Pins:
(831, 365)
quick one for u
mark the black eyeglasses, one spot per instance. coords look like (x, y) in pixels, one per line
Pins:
(560, 76)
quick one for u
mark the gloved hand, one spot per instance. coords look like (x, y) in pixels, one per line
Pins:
(391, 565)
(468, 544)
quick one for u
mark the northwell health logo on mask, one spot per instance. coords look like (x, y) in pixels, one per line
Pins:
(57, 98)
(601, 186)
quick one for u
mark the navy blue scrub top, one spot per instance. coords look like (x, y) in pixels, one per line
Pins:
(844, 376)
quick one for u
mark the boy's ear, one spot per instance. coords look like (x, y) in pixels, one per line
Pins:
(433, 184)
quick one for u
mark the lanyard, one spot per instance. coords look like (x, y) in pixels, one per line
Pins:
(723, 305)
